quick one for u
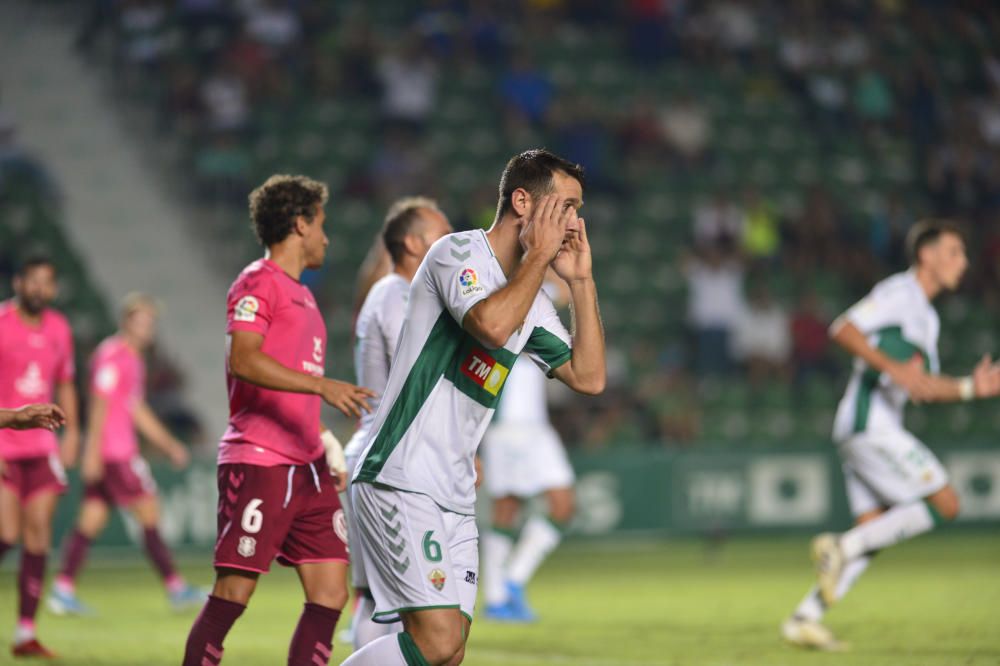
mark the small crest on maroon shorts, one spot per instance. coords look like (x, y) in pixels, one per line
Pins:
(436, 577)
(247, 546)
(340, 525)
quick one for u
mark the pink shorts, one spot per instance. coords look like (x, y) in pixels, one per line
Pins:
(27, 477)
(123, 483)
(288, 512)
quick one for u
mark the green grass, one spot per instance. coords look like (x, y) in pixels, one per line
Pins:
(934, 601)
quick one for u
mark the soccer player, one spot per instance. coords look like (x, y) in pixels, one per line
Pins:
(277, 495)
(114, 473)
(475, 304)
(896, 487)
(40, 415)
(36, 364)
(411, 226)
(522, 457)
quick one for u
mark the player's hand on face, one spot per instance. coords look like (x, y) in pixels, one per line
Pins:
(546, 227)
(986, 378)
(910, 376)
(574, 261)
(46, 416)
(351, 400)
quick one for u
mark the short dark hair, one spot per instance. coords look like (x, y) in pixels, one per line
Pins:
(926, 232)
(32, 262)
(532, 170)
(399, 221)
(282, 198)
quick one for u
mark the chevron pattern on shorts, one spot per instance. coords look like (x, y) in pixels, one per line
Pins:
(393, 527)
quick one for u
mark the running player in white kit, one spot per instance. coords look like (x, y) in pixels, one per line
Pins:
(411, 226)
(475, 304)
(896, 487)
(523, 457)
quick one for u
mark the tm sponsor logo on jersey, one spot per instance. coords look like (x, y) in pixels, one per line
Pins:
(484, 370)
(469, 282)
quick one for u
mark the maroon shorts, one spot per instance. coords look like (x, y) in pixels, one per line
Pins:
(291, 512)
(123, 483)
(29, 476)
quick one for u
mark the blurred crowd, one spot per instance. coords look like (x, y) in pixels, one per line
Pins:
(921, 73)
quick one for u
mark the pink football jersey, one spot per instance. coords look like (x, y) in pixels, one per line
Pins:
(274, 427)
(118, 374)
(33, 360)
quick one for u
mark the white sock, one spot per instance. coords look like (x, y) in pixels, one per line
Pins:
(897, 524)
(367, 630)
(538, 538)
(812, 606)
(385, 651)
(24, 631)
(496, 550)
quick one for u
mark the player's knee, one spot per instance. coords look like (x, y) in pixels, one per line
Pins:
(334, 597)
(562, 505)
(948, 508)
(439, 643)
(37, 536)
(235, 587)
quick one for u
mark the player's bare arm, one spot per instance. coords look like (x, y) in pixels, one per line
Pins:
(494, 319)
(66, 398)
(249, 364)
(153, 429)
(586, 371)
(42, 415)
(908, 375)
(92, 465)
(911, 376)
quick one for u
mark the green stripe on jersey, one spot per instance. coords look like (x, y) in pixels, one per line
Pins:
(451, 353)
(891, 343)
(549, 347)
(435, 357)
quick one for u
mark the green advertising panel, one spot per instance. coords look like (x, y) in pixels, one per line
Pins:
(636, 490)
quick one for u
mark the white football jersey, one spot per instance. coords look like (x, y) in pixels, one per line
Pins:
(444, 384)
(376, 333)
(899, 320)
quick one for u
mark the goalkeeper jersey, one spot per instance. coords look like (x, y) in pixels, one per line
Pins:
(899, 320)
(444, 384)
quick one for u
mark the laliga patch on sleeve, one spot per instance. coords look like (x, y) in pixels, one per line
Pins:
(106, 378)
(246, 309)
(469, 282)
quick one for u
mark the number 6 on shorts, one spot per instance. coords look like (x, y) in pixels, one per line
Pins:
(253, 519)
(432, 549)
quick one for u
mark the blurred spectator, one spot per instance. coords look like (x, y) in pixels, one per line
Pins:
(273, 23)
(718, 221)
(687, 129)
(649, 34)
(761, 233)
(224, 98)
(810, 341)
(735, 26)
(715, 302)
(526, 88)
(16, 164)
(400, 167)
(222, 169)
(889, 222)
(873, 98)
(142, 30)
(957, 178)
(486, 32)
(579, 136)
(762, 339)
(409, 78)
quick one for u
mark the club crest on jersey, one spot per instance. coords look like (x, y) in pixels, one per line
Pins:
(484, 370)
(437, 579)
(247, 546)
(318, 349)
(469, 282)
(246, 309)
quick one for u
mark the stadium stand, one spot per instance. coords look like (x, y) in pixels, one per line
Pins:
(708, 128)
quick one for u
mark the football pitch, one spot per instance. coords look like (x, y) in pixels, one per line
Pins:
(933, 601)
